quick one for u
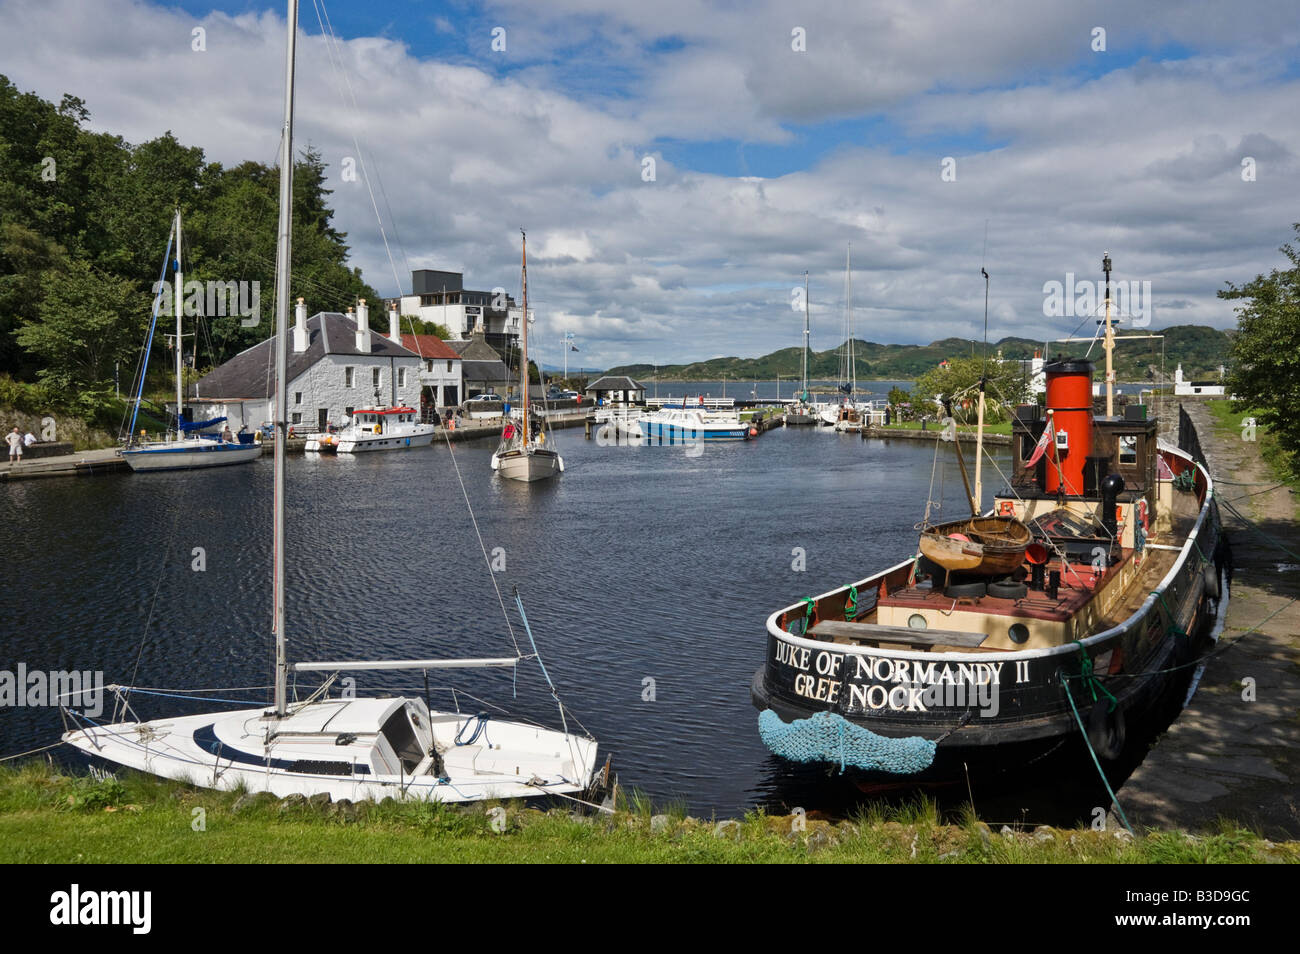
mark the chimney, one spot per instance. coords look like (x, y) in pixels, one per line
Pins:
(363, 326)
(300, 337)
(394, 324)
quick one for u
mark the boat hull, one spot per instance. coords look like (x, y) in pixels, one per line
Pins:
(981, 712)
(190, 455)
(225, 752)
(338, 444)
(659, 432)
(528, 466)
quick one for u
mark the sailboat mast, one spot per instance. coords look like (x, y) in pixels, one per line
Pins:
(853, 361)
(178, 307)
(804, 396)
(523, 350)
(281, 364)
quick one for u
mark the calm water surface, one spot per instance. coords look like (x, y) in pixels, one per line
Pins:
(640, 569)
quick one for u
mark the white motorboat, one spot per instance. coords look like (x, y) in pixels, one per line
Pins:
(673, 425)
(521, 454)
(342, 747)
(373, 429)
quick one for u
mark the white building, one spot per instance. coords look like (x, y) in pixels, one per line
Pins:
(441, 297)
(441, 375)
(336, 364)
(1201, 388)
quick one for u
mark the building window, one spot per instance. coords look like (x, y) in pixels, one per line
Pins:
(297, 397)
(347, 378)
(297, 417)
(348, 411)
(401, 377)
(448, 366)
(374, 376)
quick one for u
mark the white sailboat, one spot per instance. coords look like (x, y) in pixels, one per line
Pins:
(181, 452)
(802, 411)
(521, 454)
(346, 747)
(846, 415)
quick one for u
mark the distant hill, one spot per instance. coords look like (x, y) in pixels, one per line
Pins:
(1199, 349)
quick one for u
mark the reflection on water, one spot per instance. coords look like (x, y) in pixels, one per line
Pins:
(641, 569)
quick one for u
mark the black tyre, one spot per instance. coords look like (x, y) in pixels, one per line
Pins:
(1106, 730)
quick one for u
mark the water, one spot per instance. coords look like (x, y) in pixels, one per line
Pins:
(639, 563)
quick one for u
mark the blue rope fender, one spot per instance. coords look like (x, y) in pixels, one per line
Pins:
(829, 737)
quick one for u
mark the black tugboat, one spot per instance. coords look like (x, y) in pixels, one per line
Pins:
(916, 675)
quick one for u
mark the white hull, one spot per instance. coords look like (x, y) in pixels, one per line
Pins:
(358, 758)
(190, 455)
(528, 465)
(340, 444)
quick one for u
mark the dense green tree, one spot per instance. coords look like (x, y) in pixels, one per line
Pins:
(1265, 375)
(87, 322)
(958, 381)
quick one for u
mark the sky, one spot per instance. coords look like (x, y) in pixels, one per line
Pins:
(680, 164)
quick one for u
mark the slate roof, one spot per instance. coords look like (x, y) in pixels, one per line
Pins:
(250, 375)
(617, 382)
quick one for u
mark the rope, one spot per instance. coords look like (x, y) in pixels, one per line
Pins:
(480, 722)
(1089, 678)
(1104, 781)
(43, 748)
(1173, 628)
(851, 603)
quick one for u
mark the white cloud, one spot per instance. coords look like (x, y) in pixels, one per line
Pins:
(1142, 160)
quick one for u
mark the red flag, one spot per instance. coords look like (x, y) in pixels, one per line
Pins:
(1041, 447)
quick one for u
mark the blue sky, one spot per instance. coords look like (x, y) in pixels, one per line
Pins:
(768, 160)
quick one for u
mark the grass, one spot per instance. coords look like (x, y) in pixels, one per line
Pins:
(132, 818)
(1003, 427)
(1231, 423)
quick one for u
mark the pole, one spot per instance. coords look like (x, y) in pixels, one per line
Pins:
(523, 357)
(281, 364)
(1110, 343)
(179, 307)
(979, 426)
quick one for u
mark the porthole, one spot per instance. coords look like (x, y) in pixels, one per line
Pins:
(1018, 632)
(916, 621)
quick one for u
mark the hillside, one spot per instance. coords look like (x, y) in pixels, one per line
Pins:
(1200, 350)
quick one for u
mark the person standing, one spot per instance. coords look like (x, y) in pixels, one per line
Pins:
(15, 441)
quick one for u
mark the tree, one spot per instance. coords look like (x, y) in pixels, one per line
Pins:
(86, 323)
(1265, 374)
(958, 382)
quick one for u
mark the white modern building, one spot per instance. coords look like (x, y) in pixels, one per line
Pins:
(442, 297)
(337, 363)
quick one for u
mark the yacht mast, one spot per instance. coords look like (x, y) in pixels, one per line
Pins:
(281, 364)
(523, 351)
(178, 307)
(848, 371)
(804, 394)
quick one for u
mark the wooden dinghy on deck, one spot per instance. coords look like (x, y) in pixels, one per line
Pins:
(984, 545)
